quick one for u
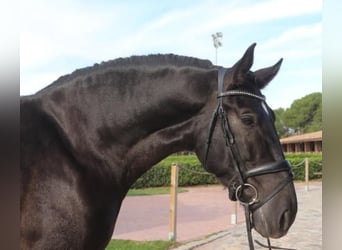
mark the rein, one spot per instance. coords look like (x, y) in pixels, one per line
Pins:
(283, 165)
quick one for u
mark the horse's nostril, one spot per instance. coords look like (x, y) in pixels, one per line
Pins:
(284, 221)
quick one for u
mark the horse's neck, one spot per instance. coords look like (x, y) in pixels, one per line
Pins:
(127, 129)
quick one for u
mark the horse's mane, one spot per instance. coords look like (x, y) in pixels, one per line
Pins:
(136, 61)
(157, 59)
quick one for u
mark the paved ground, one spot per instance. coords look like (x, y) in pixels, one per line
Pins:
(305, 233)
(201, 211)
(206, 210)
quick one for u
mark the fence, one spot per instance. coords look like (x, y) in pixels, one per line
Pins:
(306, 163)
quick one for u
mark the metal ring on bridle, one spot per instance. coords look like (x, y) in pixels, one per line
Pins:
(238, 194)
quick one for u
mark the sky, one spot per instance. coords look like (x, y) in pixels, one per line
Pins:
(58, 37)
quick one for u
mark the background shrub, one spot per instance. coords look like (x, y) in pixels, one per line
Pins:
(298, 165)
(191, 171)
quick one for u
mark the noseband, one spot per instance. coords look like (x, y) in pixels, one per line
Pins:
(243, 175)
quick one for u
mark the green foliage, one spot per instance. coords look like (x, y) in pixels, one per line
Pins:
(317, 120)
(304, 115)
(192, 173)
(152, 191)
(279, 123)
(298, 166)
(139, 245)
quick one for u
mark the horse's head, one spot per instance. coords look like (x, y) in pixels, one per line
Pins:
(243, 150)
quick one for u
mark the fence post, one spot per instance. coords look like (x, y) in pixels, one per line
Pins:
(306, 174)
(173, 202)
(233, 216)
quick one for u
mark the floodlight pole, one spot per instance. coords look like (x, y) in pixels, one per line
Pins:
(217, 37)
(216, 55)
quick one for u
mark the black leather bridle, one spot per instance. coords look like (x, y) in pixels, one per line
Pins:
(243, 174)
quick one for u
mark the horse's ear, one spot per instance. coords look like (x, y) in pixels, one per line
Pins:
(265, 75)
(242, 67)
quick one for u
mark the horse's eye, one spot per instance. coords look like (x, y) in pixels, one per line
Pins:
(248, 120)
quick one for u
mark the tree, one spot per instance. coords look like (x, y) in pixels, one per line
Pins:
(279, 123)
(304, 115)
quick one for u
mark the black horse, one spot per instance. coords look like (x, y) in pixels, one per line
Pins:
(87, 137)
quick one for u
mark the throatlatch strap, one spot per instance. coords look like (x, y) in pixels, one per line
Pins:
(211, 129)
(212, 124)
